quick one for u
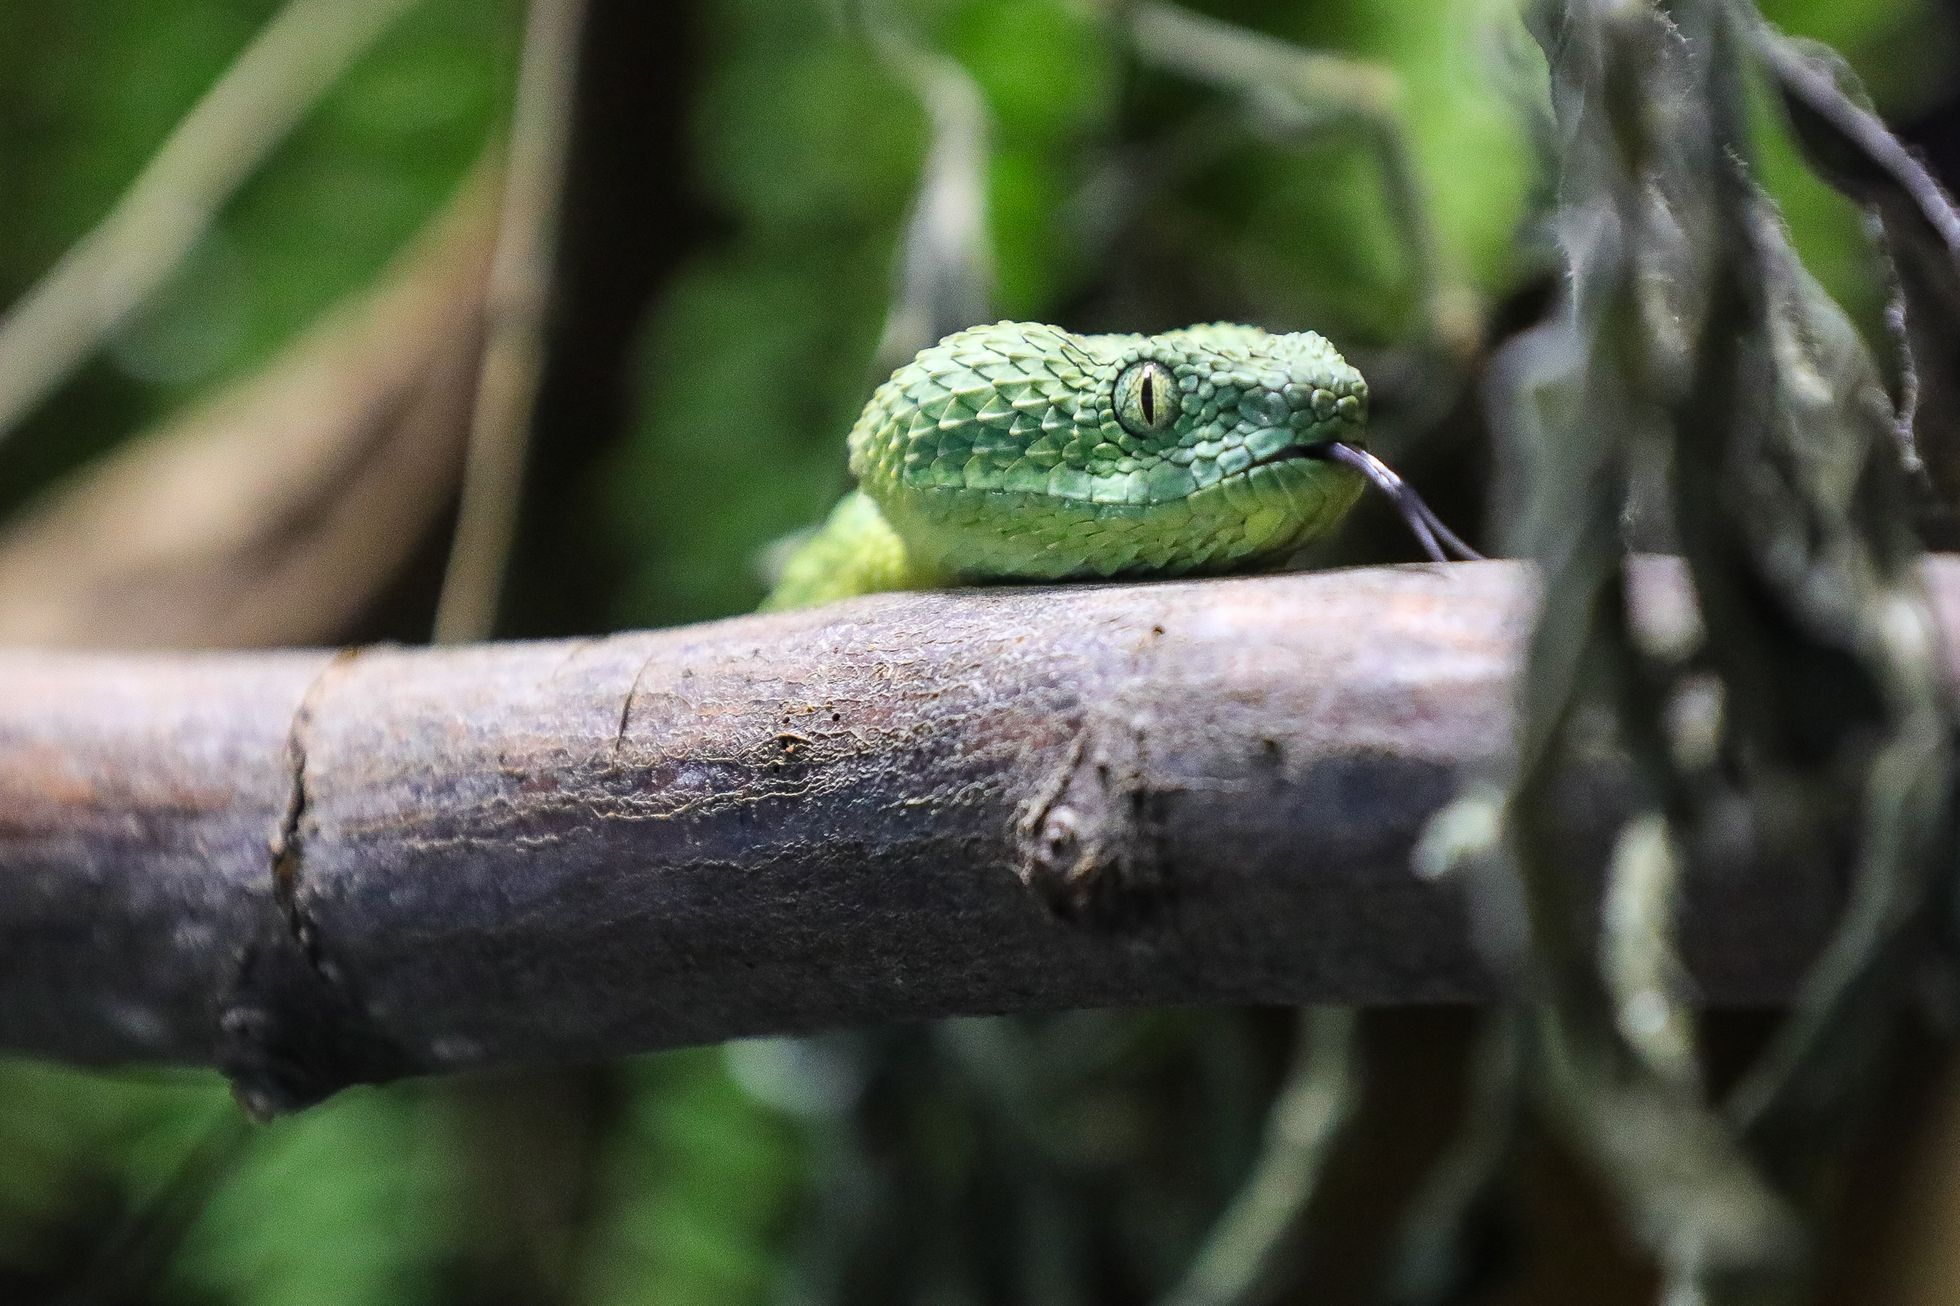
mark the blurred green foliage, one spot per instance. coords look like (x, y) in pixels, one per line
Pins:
(348, 1204)
(1119, 198)
(759, 358)
(88, 92)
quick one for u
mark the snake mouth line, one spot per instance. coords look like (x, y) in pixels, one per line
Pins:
(1437, 540)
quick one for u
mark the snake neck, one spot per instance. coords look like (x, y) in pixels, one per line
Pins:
(854, 552)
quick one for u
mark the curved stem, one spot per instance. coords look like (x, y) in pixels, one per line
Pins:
(120, 264)
(513, 355)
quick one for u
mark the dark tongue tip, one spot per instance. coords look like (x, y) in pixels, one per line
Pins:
(1437, 540)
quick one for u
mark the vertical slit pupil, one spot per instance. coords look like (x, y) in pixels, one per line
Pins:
(1149, 400)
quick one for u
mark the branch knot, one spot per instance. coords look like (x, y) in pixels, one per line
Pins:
(1089, 843)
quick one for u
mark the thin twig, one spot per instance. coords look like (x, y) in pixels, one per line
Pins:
(1246, 1247)
(520, 292)
(1301, 92)
(1462, 1212)
(119, 265)
(946, 273)
(273, 510)
(140, 1245)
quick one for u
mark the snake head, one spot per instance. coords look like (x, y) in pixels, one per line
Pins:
(1024, 451)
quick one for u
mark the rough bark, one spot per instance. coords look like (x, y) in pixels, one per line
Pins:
(317, 868)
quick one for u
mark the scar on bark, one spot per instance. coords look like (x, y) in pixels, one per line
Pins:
(626, 705)
(291, 1031)
(1088, 842)
(288, 841)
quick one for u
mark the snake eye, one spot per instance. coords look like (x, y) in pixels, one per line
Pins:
(1146, 398)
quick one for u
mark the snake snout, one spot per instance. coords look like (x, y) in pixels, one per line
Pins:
(1320, 404)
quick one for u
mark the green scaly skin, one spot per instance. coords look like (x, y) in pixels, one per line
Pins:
(1024, 452)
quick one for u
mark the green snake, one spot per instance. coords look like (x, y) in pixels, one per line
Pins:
(1019, 451)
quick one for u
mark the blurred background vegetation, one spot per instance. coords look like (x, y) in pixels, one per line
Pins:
(740, 182)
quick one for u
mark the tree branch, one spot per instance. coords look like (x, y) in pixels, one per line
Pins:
(314, 869)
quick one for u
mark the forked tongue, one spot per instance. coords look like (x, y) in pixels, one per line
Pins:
(1437, 540)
